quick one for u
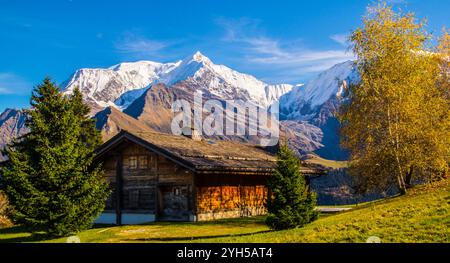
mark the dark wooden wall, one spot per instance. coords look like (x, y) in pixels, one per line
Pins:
(145, 176)
(152, 183)
(139, 180)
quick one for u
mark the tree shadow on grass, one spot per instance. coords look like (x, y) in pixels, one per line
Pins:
(236, 222)
(28, 236)
(97, 226)
(166, 239)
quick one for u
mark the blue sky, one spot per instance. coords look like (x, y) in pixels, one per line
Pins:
(277, 41)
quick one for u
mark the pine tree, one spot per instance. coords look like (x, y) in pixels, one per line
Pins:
(51, 180)
(290, 203)
(89, 134)
(395, 122)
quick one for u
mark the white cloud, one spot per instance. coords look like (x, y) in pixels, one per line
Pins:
(340, 39)
(303, 57)
(263, 45)
(234, 28)
(288, 58)
(4, 91)
(13, 84)
(135, 44)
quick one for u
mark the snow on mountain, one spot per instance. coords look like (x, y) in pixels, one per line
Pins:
(303, 102)
(121, 84)
(127, 98)
(104, 86)
(220, 79)
(317, 103)
(274, 92)
(307, 111)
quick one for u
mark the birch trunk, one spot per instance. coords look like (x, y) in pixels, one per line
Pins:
(395, 143)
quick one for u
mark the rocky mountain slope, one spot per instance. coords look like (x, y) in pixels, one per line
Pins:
(111, 121)
(317, 103)
(153, 109)
(12, 125)
(306, 102)
(140, 94)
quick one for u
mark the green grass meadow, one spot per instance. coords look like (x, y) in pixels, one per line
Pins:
(423, 215)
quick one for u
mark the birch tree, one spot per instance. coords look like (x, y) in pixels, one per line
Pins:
(395, 122)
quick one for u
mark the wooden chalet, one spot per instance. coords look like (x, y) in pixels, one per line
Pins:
(163, 177)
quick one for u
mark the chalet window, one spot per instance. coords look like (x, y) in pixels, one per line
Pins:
(143, 162)
(133, 162)
(134, 198)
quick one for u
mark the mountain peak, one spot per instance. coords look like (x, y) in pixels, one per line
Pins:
(199, 57)
(7, 113)
(11, 109)
(122, 83)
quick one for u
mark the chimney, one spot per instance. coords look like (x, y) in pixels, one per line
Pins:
(272, 149)
(192, 133)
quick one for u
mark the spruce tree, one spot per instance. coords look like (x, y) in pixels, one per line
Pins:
(51, 180)
(290, 203)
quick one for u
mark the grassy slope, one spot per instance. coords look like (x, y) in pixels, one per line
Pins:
(315, 159)
(421, 216)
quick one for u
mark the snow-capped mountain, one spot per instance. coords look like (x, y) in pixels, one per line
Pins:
(144, 91)
(224, 82)
(304, 102)
(307, 111)
(275, 92)
(317, 103)
(121, 84)
(104, 86)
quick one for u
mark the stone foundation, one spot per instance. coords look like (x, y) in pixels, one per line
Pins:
(234, 213)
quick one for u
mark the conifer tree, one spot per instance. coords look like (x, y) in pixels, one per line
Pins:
(51, 180)
(290, 203)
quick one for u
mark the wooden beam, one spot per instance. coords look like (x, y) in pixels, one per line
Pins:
(194, 194)
(119, 193)
(158, 207)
